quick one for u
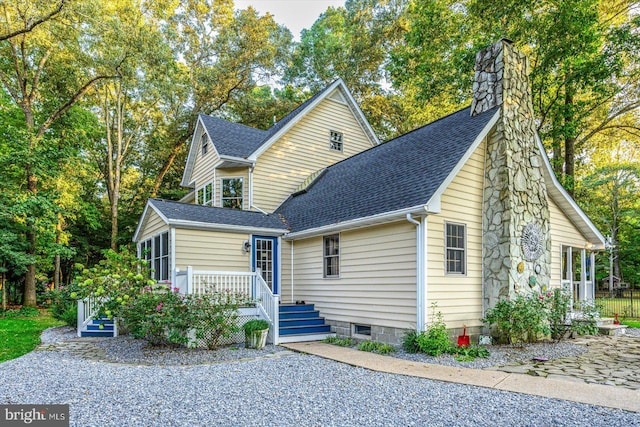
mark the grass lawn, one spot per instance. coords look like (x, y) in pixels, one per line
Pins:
(20, 335)
(631, 323)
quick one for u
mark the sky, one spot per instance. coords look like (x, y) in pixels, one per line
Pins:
(296, 15)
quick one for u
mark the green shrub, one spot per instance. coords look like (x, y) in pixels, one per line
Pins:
(63, 306)
(376, 347)
(214, 316)
(435, 340)
(558, 303)
(587, 324)
(342, 342)
(159, 316)
(520, 320)
(410, 341)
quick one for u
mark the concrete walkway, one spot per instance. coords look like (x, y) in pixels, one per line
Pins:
(558, 388)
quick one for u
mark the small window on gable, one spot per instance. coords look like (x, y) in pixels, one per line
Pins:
(331, 255)
(204, 142)
(455, 251)
(231, 195)
(335, 140)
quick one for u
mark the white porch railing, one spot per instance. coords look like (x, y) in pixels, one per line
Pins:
(249, 283)
(87, 312)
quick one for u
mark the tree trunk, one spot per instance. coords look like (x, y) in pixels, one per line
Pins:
(29, 295)
(569, 141)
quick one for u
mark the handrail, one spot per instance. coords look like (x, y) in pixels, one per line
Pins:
(86, 312)
(267, 304)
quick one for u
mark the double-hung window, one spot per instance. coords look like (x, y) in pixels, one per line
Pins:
(205, 194)
(231, 194)
(155, 252)
(204, 142)
(335, 140)
(455, 251)
(331, 255)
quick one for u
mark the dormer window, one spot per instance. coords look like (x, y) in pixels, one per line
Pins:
(335, 141)
(205, 144)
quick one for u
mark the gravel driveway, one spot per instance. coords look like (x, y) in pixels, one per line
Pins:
(292, 390)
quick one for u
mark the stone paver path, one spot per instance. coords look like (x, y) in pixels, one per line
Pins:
(82, 347)
(609, 360)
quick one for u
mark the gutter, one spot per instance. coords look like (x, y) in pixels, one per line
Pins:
(421, 268)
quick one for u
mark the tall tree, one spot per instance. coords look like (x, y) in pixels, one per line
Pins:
(46, 71)
(221, 53)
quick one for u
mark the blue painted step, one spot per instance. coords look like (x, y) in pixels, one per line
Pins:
(297, 330)
(298, 314)
(301, 319)
(106, 327)
(295, 307)
(103, 333)
(301, 322)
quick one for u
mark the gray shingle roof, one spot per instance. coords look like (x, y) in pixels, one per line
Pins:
(178, 211)
(238, 140)
(402, 173)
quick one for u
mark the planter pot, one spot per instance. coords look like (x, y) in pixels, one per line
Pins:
(258, 339)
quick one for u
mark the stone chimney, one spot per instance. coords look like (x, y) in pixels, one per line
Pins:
(516, 239)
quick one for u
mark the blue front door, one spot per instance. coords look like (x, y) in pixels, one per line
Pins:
(264, 256)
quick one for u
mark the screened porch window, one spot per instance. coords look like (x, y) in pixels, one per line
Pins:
(155, 252)
(232, 192)
(331, 255)
(455, 249)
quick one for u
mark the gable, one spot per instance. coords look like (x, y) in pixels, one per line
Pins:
(151, 223)
(303, 150)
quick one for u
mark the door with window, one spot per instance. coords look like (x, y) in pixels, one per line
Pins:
(264, 256)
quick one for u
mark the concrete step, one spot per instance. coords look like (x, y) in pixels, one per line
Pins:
(605, 321)
(305, 337)
(612, 330)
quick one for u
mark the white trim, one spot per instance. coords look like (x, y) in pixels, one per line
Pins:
(194, 225)
(143, 219)
(292, 299)
(172, 255)
(435, 198)
(445, 247)
(222, 178)
(324, 256)
(358, 222)
(225, 158)
(193, 148)
(421, 271)
(326, 92)
(561, 192)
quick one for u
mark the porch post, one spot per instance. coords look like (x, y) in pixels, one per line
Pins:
(592, 270)
(583, 274)
(189, 279)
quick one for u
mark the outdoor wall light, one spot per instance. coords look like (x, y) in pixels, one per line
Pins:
(246, 246)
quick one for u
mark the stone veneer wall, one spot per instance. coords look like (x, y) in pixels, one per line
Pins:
(514, 191)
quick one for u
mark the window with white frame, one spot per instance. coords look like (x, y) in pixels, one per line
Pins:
(335, 140)
(205, 194)
(455, 250)
(204, 142)
(232, 193)
(156, 252)
(331, 255)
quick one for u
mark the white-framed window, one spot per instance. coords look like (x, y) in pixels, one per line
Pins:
(231, 194)
(156, 252)
(335, 140)
(364, 330)
(331, 255)
(204, 142)
(204, 195)
(455, 248)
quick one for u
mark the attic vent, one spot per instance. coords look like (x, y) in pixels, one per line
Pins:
(309, 181)
(337, 96)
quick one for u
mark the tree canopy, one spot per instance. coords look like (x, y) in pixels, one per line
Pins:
(99, 100)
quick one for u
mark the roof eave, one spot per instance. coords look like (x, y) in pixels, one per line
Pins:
(377, 219)
(198, 225)
(569, 206)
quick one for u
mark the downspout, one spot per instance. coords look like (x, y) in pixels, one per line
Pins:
(420, 276)
(251, 187)
(292, 298)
